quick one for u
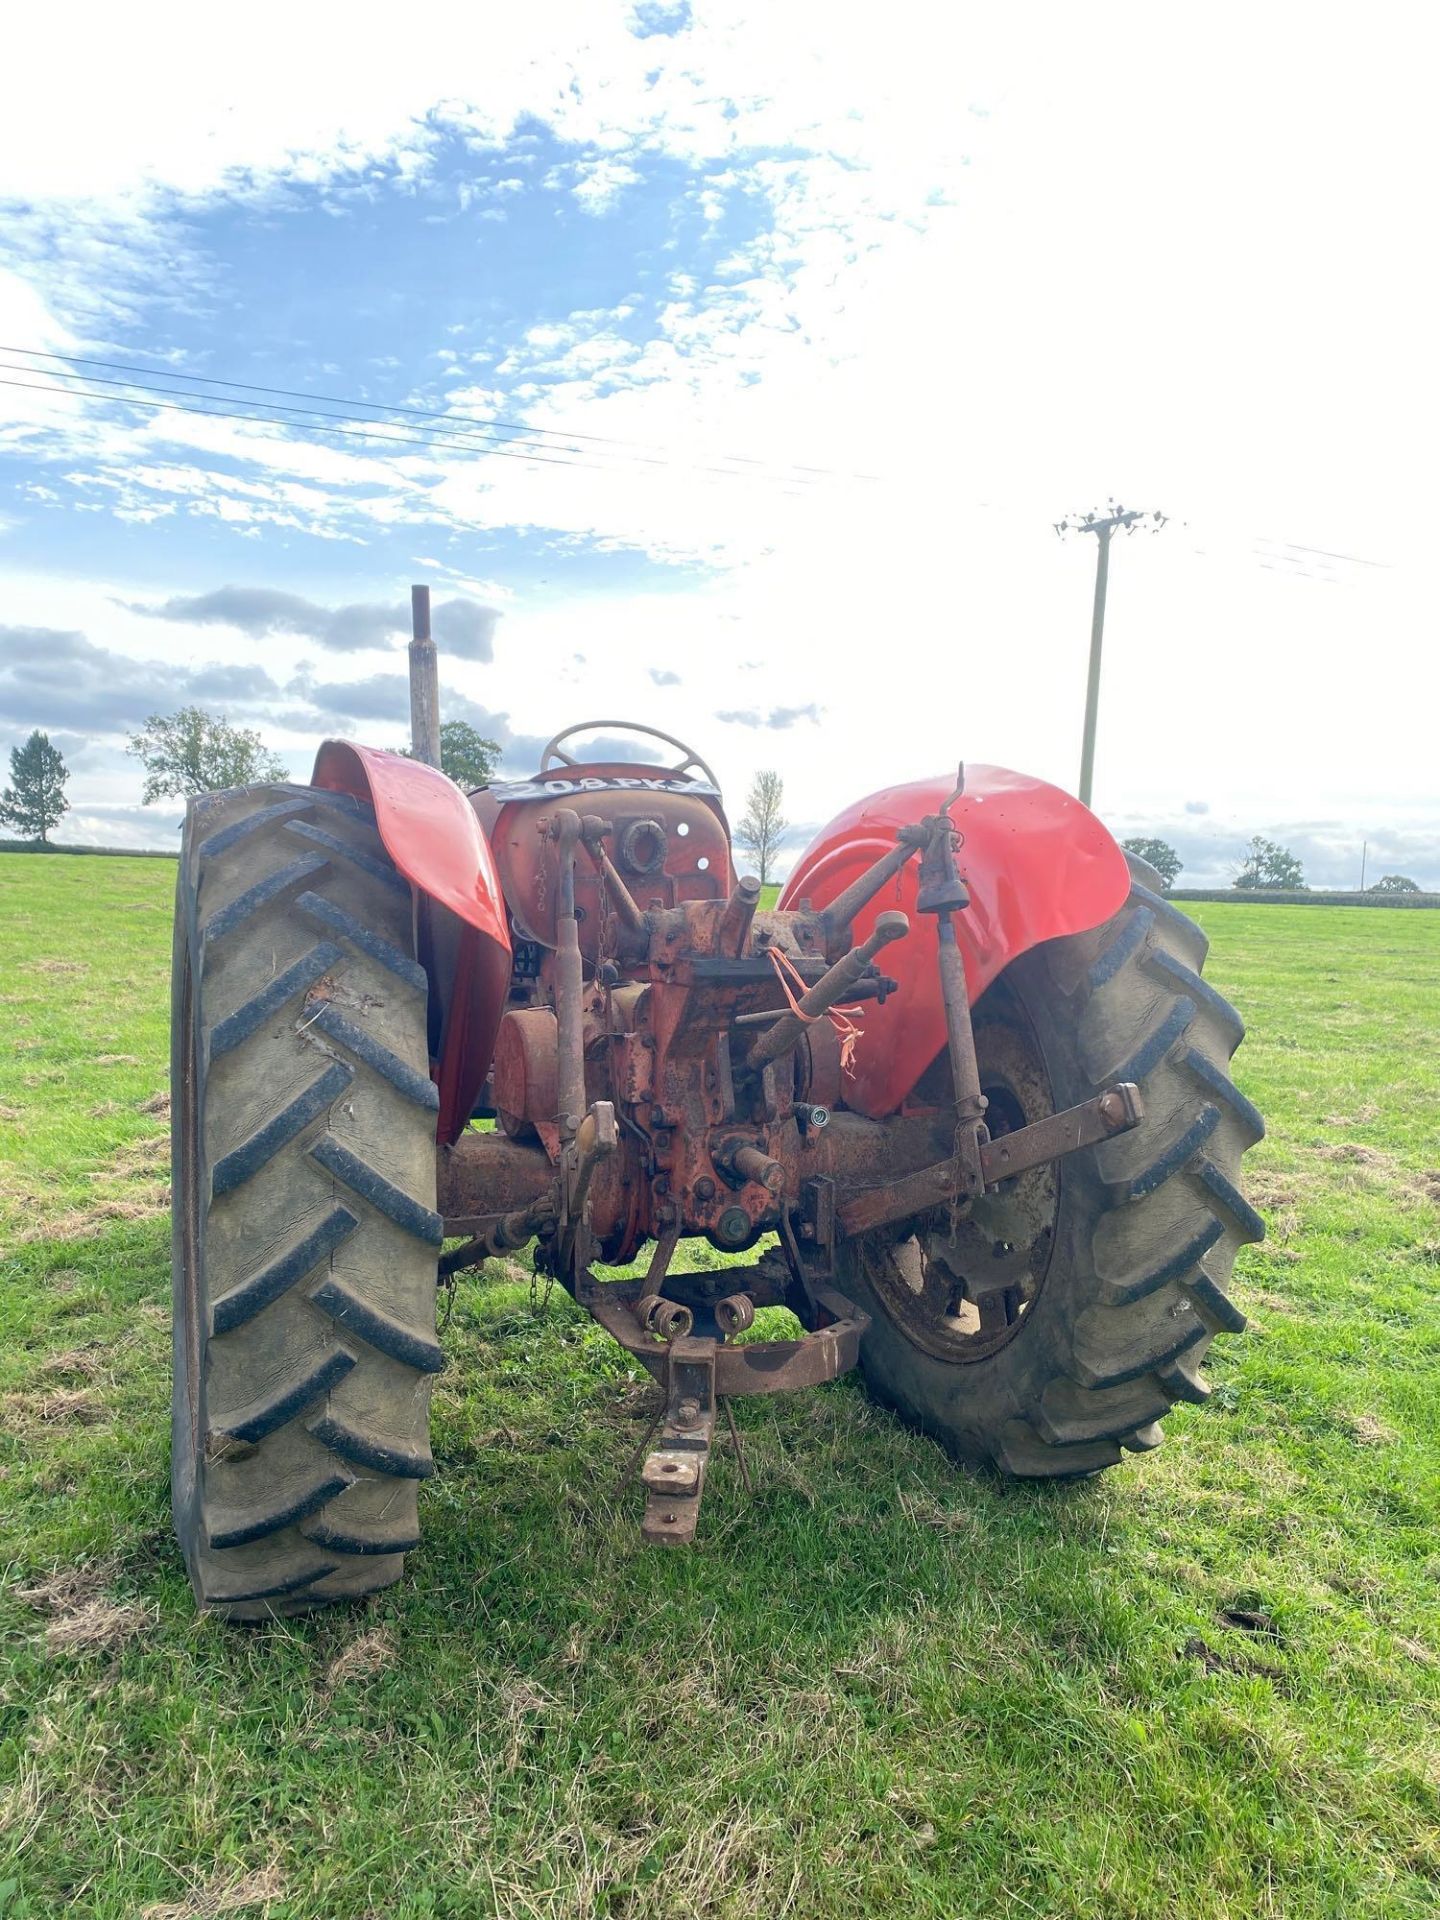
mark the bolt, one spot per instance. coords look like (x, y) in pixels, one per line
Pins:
(669, 1518)
(687, 1413)
(704, 1188)
(818, 1117)
(657, 1116)
(733, 1226)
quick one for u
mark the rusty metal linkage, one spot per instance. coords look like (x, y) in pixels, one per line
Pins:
(697, 1372)
(1115, 1111)
(655, 1078)
(760, 1366)
(943, 892)
(831, 987)
(569, 980)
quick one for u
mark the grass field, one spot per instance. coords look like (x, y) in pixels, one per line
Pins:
(1205, 1685)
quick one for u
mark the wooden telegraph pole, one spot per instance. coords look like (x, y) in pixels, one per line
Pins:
(424, 682)
(1104, 527)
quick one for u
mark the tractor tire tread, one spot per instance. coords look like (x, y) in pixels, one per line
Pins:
(1165, 1219)
(345, 926)
(374, 864)
(301, 1441)
(246, 905)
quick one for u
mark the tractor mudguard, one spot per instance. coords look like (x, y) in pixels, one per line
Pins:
(431, 833)
(1038, 865)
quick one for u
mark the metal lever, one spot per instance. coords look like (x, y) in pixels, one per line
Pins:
(592, 832)
(827, 990)
(569, 979)
(595, 1140)
(942, 892)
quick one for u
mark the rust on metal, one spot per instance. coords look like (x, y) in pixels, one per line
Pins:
(674, 1473)
(833, 986)
(485, 1175)
(759, 1366)
(665, 1070)
(1115, 1111)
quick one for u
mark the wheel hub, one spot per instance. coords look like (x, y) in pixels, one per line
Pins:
(963, 1291)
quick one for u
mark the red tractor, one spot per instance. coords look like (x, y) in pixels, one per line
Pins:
(964, 1093)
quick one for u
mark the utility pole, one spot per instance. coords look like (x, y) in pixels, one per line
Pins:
(424, 682)
(1104, 527)
(1364, 851)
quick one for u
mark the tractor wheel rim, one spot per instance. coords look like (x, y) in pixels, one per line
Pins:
(963, 1296)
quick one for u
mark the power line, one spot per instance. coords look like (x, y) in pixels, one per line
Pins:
(269, 420)
(356, 429)
(637, 449)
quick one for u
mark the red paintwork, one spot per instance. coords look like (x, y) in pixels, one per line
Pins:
(431, 833)
(1038, 864)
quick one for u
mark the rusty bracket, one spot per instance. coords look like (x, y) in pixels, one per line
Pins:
(1117, 1110)
(674, 1472)
(759, 1366)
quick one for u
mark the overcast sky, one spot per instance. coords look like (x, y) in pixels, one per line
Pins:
(829, 311)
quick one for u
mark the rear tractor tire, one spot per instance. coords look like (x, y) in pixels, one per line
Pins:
(305, 1231)
(1071, 1310)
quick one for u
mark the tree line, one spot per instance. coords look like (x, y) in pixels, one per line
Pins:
(192, 751)
(1266, 867)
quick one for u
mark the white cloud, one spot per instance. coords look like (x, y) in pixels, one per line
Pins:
(600, 183)
(1145, 266)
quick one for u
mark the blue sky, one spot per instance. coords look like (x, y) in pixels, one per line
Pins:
(818, 320)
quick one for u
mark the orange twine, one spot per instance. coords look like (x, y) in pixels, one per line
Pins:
(786, 971)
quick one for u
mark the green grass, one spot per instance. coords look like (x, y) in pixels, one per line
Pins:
(879, 1687)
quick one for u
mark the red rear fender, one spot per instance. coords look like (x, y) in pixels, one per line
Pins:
(1038, 865)
(431, 833)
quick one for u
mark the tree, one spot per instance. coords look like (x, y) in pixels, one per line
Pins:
(1394, 883)
(1160, 855)
(1269, 867)
(466, 756)
(762, 825)
(36, 800)
(197, 752)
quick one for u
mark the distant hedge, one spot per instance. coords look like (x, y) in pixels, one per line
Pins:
(109, 853)
(1267, 898)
